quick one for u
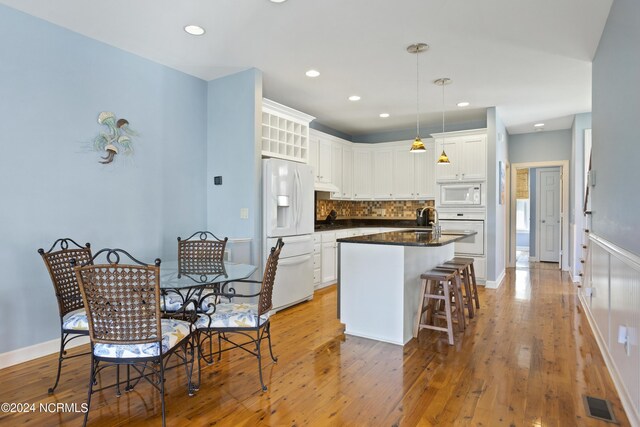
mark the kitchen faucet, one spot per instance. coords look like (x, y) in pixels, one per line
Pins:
(436, 222)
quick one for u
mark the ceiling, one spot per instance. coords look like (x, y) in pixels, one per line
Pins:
(531, 59)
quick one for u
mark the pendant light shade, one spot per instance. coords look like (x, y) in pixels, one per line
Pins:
(418, 145)
(443, 159)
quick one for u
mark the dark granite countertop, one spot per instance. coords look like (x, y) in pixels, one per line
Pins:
(411, 237)
(364, 223)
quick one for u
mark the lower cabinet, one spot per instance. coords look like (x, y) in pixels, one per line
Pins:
(328, 262)
(317, 260)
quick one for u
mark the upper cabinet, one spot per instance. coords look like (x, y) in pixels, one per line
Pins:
(320, 159)
(285, 132)
(467, 152)
(362, 174)
(414, 174)
(383, 174)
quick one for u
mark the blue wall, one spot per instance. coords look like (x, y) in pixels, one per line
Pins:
(616, 104)
(497, 151)
(540, 146)
(54, 84)
(235, 103)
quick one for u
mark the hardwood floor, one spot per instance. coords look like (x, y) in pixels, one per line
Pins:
(526, 360)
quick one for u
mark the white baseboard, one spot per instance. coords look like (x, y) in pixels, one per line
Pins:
(490, 284)
(35, 351)
(627, 402)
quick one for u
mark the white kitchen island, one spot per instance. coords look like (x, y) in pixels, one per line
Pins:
(379, 280)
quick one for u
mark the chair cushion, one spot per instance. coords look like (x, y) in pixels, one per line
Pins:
(75, 320)
(173, 331)
(172, 302)
(230, 315)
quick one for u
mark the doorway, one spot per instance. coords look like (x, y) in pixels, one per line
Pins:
(525, 222)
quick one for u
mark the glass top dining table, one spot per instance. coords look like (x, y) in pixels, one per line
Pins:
(194, 276)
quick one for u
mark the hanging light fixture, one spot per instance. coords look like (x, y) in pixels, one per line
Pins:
(443, 159)
(418, 145)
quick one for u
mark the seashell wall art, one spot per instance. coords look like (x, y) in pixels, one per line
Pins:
(117, 138)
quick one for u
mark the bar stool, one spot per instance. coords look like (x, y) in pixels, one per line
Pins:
(466, 280)
(472, 275)
(439, 286)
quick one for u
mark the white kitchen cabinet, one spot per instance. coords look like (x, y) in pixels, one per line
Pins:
(347, 173)
(467, 152)
(336, 169)
(317, 260)
(424, 171)
(285, 132)
(403, 162)
(414, 174)
(362, 176)
(320, 159)
(329, 258)
(383, 174)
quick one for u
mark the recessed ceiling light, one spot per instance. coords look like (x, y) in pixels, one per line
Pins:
(278, 1)
(538, 125)
(384, 115)
(194, 30)
(354, 98)
(312, 73)
(463, 104)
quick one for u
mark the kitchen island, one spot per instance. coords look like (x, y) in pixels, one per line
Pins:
(379, 280)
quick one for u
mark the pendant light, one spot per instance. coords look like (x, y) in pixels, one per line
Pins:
(443, 159)
(418, 145)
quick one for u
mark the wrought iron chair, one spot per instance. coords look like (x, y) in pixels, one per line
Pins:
(202, 253)
(125, 325)
(245, 319)
(196, 254)
(73, 319)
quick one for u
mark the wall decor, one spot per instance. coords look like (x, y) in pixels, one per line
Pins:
(117, 138)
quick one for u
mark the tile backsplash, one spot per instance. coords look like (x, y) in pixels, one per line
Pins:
(389, 209)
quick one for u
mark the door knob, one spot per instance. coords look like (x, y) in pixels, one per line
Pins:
(543, 221)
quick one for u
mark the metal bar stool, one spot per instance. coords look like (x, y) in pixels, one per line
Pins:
(472, 275)
(462, 270)
(439, 286)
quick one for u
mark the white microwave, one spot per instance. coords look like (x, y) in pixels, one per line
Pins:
(461, 194)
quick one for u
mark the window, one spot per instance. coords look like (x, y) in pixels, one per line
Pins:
(522, 214)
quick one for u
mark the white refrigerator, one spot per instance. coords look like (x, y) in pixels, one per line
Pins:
(288, 210)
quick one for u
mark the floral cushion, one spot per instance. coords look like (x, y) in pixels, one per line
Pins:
(172, 302)
(75, 320)
(173, 331)
(230, 315)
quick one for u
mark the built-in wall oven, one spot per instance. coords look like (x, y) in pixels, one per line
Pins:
(472, 245)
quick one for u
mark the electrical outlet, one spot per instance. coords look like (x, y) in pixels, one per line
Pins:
(244, 213)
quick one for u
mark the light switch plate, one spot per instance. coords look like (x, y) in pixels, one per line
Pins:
(244, 213)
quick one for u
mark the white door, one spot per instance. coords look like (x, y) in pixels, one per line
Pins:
(548, 195)
(324, 161)
(336, 169)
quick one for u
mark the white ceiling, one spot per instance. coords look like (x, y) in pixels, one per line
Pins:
(529, 58)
